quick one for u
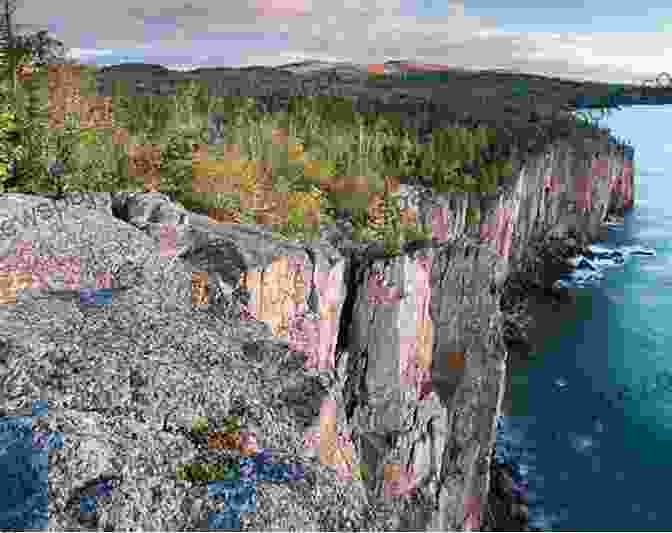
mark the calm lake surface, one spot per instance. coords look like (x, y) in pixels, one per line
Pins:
(590, 417)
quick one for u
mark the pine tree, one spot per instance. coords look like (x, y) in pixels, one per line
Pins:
(13, 52)
(33, 116)
(481, 135)
(471, 146)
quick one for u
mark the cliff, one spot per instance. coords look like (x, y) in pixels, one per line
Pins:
(440, 425)
(381, 376)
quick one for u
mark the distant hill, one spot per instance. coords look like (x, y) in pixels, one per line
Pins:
(135, 68)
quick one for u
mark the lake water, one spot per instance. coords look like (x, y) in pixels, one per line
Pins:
(591, 415)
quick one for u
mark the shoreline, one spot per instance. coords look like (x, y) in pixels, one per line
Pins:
(534, 309)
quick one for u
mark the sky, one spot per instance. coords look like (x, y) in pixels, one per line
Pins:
(604, 41)
(616, 42)
(648, 129)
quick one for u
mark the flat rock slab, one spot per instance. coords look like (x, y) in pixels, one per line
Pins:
(124, 379)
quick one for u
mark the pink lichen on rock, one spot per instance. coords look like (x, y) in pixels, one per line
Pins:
(487, 231)
(472, 513)
(583, 191)
(626, 183)
(303, 336)
(424, 325)
(167, 240)
(501, 232)
(317, 338)
(504, 231)
(399, 480)
(407, 365)
(103, 280)
(440, 220)
(600, 167)
(379, 293)
(423, 383)
(311, 439)
(40, 266)
(415, 348)
(504, 238)
(248, 443)
(552, 183)
(327, 285)
(332, 450)
(246, 312)
(614, 182)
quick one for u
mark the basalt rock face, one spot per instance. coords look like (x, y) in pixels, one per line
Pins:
(381, 376)
(440, 427)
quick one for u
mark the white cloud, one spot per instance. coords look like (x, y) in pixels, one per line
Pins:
(77, 53)
(361, 32)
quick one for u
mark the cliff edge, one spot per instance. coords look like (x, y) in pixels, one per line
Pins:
(371, 384)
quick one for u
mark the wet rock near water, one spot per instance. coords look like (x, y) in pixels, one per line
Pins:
(507, 502)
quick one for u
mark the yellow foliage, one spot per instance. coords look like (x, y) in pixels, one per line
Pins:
(312, 168)
(295, 152)
(304, 207)
(248, 182)
(303, 200)
(242, 169)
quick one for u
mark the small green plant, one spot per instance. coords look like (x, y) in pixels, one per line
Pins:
(446, 177)
(10, 149)
(231, 424)
(207, 472)
(417, 232)
(199, 424)
(489, 175)
(390, 231)
(473, 215)
(175, 167)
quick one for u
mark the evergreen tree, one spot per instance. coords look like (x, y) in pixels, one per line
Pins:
(26, 97)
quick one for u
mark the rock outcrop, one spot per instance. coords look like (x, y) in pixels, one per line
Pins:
(370, 383)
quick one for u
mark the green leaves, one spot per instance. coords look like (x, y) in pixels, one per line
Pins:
(199, 424)
(489, 175)
(417, 232)
(519, 88)
(208, 472)
(88, 136)
(473, 215)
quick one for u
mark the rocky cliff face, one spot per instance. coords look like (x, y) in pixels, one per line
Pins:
(437, 309)
(416, 340)
(382, 376)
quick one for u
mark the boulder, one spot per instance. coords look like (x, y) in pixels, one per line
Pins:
(216, 127)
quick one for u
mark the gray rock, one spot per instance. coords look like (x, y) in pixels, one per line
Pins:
(124, 379)
(216, 131)
(56, 168)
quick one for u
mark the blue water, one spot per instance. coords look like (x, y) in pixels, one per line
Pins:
(591, 418)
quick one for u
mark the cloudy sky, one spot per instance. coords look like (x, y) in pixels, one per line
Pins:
(607, 41)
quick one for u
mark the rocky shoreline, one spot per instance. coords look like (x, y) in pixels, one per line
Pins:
(529, 298)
